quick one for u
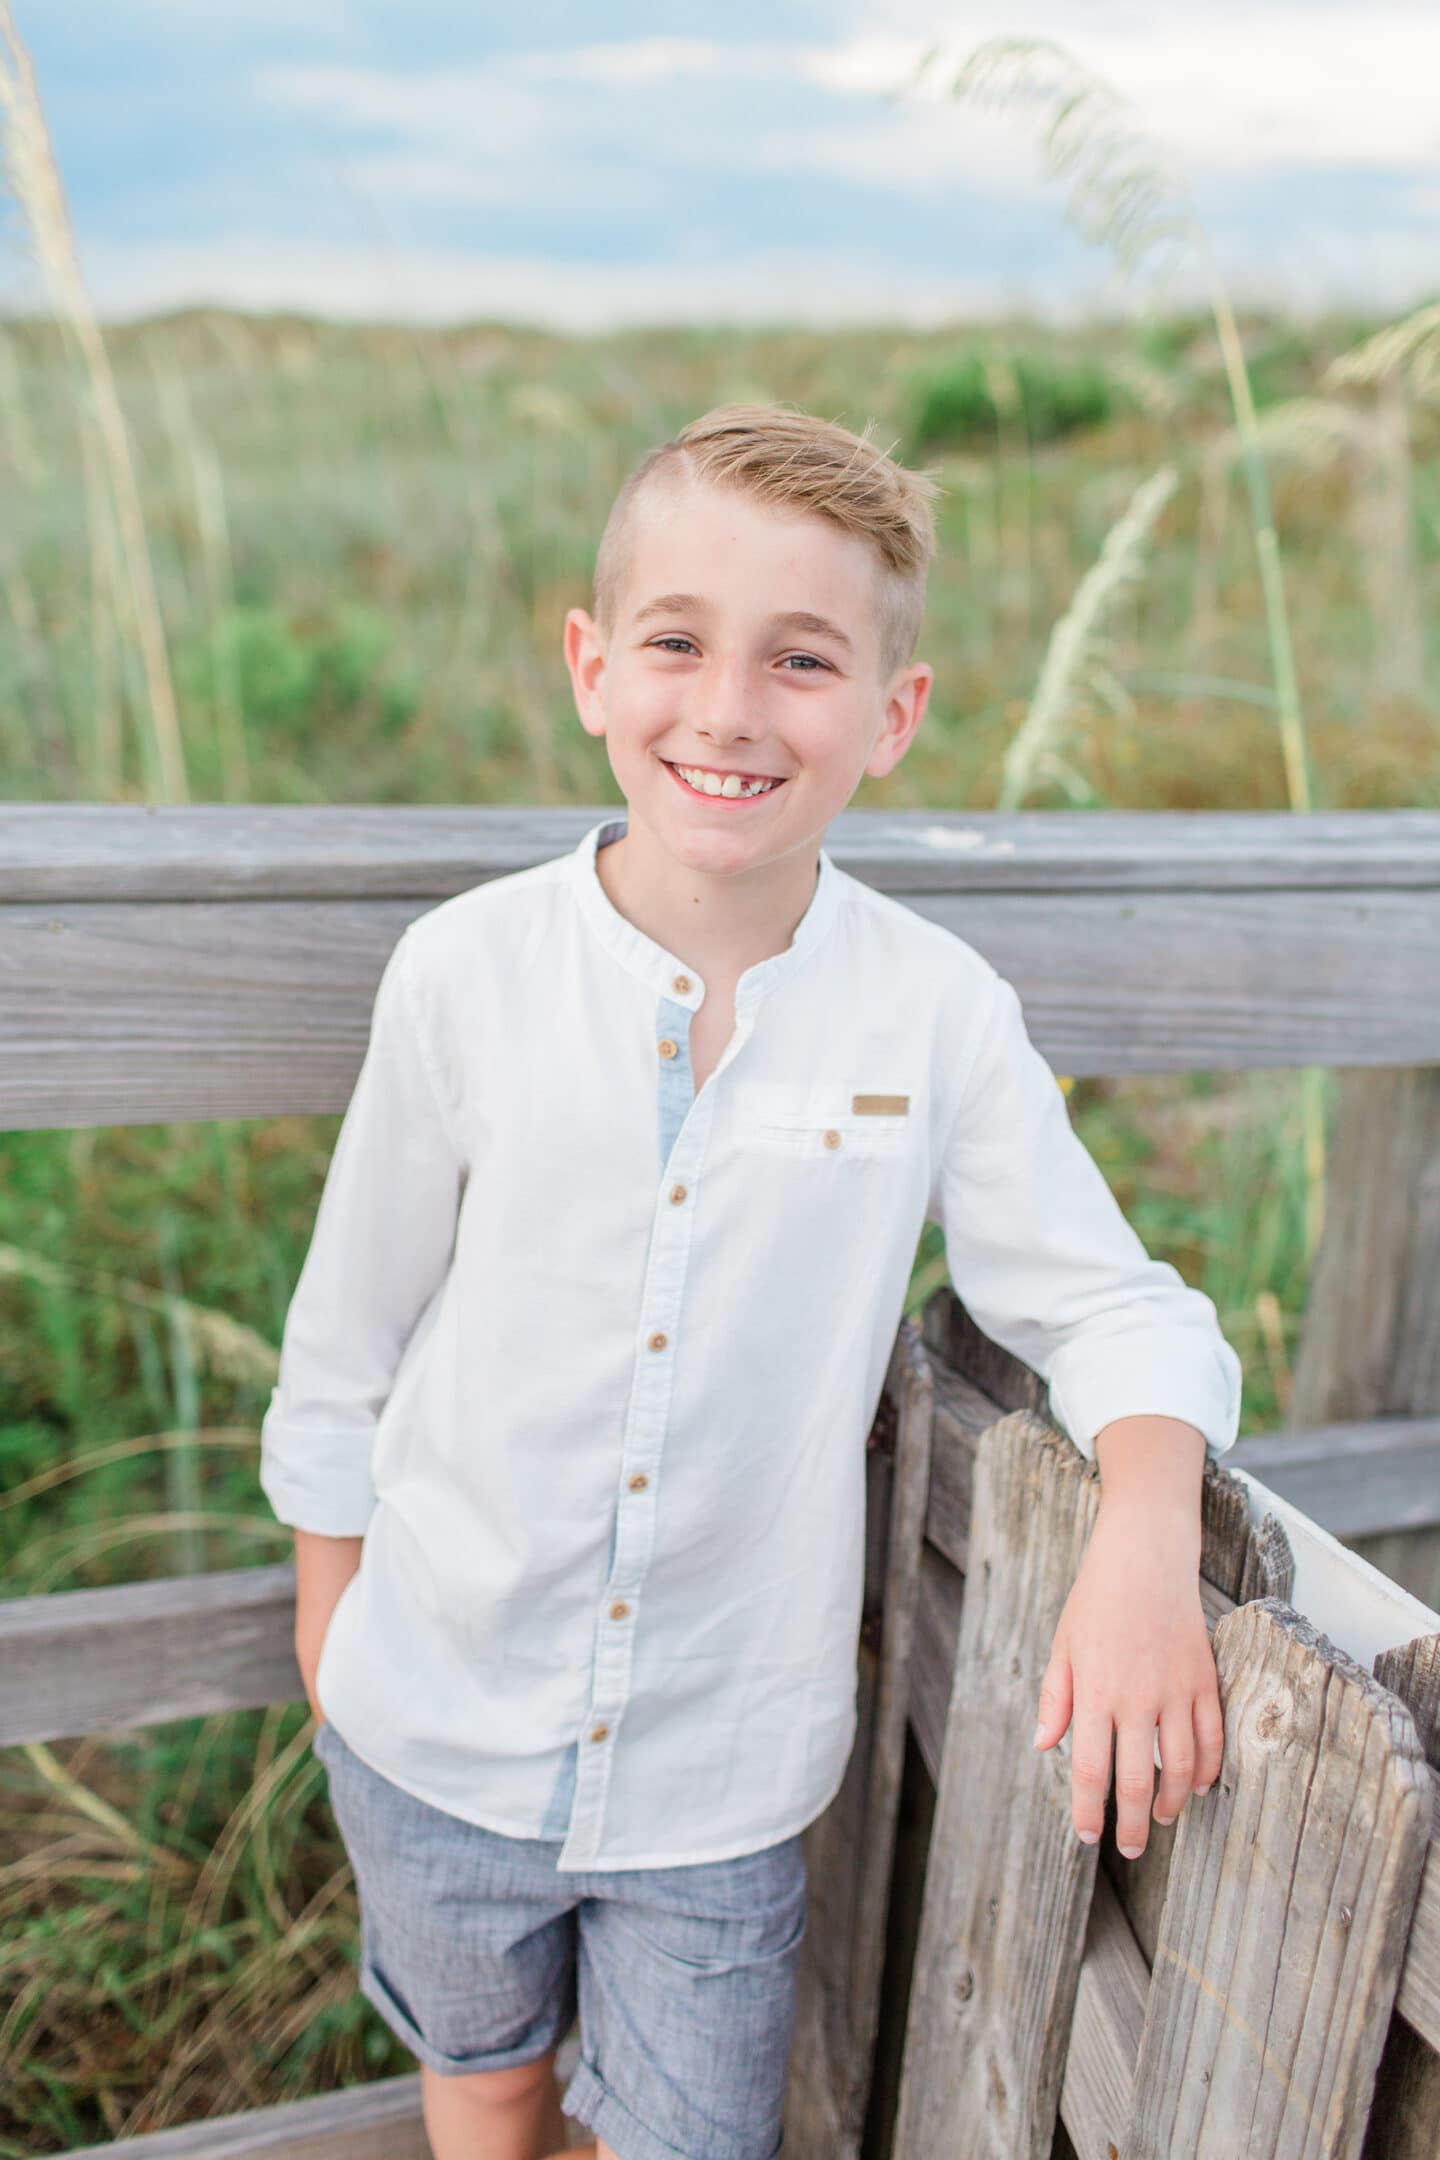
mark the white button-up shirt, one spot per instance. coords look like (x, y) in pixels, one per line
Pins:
(590, 1358)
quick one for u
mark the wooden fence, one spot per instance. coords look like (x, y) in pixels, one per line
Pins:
(1000, 1990)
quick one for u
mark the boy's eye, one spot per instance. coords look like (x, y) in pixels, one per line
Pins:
(810, 661)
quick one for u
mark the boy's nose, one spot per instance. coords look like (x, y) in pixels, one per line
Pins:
(725, 715)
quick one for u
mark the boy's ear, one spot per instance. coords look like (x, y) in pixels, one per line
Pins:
(905, 704)
(585, 658)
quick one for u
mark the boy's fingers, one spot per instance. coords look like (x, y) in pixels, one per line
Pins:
(1177, 1760)
(1134, 1783)
(1054, 1704)
(1209, 1724)
(1090, 1739)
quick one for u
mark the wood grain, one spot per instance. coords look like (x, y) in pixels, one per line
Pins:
(380, 2121)
(850, 1848)
(1008, 1885)
(190, 962)
(1291, 1892)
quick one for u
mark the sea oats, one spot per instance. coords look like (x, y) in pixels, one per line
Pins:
(1075, 655)
(35, 180)
(1410, 347)
(1125, 195)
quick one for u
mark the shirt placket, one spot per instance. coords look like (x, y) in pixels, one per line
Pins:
(684, 1126)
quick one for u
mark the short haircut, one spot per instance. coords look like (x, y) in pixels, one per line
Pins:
(789, 458)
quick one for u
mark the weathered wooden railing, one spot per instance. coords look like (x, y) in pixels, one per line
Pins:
(1236, 1990)
(196, 963)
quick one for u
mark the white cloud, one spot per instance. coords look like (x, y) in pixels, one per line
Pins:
(430, 285)
(469, 108)
(402, 179)
(1218, 96)
(829, 288)
(1227, 94)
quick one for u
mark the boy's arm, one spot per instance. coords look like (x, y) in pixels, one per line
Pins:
(1141, 1378)
(383, 1236)
(1045, 1261)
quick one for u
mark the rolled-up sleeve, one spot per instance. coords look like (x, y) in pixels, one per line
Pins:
(1046, 1263)
(381, 1245)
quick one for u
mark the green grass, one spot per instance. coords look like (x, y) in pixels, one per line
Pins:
(376, 618)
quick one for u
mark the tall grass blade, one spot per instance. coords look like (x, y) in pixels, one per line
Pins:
(1074, 655)
(35, 180)
(1125, 196)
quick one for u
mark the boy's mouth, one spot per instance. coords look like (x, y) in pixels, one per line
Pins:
(734, 787)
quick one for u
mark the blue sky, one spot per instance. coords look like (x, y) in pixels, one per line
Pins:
(586, 166)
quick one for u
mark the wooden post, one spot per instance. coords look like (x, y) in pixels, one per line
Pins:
(1290, 1898)
(1405, 2120)
(1007, 1891)
(849, 1850)
(1370, 1347)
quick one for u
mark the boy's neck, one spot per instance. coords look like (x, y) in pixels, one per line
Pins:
(720, 925)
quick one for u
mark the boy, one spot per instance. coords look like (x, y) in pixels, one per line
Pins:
(603, 1284)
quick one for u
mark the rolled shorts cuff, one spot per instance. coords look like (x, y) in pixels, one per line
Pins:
(589, 2100)
(543, 2034)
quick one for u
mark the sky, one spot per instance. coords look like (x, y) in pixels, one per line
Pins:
(584, 167)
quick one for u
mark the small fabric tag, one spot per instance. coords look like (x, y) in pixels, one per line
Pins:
(880, 1105)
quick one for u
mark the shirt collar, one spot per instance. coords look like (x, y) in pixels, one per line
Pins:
(662, 969)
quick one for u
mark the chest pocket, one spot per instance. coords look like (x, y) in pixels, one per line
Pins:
(827, 1120)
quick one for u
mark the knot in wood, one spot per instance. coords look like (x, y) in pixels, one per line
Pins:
(965, 1986)
(1345, 1916)
(1270, 1720)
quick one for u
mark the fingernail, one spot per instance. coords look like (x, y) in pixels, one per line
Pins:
(1039, 1732)
(1202, 1789)
(1088, 1837)
(1165, 1820)
(1132, 1852)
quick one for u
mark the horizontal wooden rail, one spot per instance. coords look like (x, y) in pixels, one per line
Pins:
(86, 1661)
(202, 962)
(1354, 1480)
(376, 2121)
(380, 2120)
(275, 851)
(80, 1661)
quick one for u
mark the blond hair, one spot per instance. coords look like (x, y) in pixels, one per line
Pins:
(789, 458)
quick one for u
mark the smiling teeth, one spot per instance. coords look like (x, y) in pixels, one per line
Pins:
(709, 783)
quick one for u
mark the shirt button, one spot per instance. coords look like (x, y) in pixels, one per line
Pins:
(681, 983)
(619, 1609)
(639, 1481)
(667, 1048)
(677, 1194)
(832, 1138)
(658, 1340)
(600, 1732)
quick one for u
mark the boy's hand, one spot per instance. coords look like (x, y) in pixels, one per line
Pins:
(323, 1566)
(1131, 1651)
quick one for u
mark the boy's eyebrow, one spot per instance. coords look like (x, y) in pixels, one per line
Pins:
(680, 603)
(817, 625)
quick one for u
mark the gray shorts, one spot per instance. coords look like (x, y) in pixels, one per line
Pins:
(478, 1954)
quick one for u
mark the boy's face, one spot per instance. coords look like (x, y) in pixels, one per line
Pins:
(746, 641)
